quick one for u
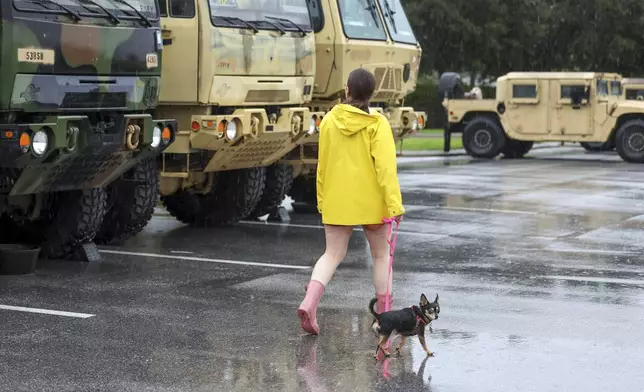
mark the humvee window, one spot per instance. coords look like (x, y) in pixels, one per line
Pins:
(182, 8)
(633, 94)
(361, 20)
(616, 88)
(602, 88)
(524, 91)
(397, 23)
(568, 91)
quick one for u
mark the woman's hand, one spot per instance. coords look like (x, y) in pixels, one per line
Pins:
(399, 218)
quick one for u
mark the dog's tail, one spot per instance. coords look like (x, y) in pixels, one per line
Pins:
(371, 304)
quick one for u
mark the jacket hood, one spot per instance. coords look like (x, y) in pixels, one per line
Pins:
(350, 120)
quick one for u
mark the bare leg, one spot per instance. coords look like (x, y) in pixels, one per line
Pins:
(337, 242)
(377, 237)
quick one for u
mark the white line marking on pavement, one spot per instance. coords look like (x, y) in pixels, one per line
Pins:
(217, 261)
(298, 225)
(597, 280)
(46, 311)
(488, 210)
(182, 252)
(571, 250)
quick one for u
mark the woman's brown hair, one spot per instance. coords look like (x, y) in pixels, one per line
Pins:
(361, 84)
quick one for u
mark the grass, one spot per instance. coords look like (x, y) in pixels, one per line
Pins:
(430, 144)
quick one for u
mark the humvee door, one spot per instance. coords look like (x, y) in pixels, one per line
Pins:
(571, 107)
(526, 107)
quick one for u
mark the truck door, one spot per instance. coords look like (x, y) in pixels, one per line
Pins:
(572, 112)
(179, 72)
(526, 107)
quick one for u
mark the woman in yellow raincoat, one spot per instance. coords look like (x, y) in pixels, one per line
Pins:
(357, 184)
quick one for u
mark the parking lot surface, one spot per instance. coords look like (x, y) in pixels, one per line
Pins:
(538, 264)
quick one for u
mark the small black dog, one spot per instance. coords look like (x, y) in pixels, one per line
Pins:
(406, 322)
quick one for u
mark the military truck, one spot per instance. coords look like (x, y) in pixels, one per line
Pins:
(237, 75)
(374, 34)
(77, 141)
(545, 106)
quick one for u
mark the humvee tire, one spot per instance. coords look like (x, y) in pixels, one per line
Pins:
(130, 203)
(597, 146)
(629, 141)
(450, 86)
(74, 218)
(279, 179)
(234, 195)
(515, 149)
(483, 138)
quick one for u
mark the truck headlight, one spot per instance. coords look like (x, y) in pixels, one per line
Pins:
(231, 130)
(39, 143)
(156, 136)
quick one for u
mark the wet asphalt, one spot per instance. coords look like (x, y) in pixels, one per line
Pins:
(538, 264)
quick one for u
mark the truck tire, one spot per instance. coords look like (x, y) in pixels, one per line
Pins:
(450, 86)
(234, 195)
(483, 138)
(515, 149)
(74, 217)
(597, 146)
(304, 195)
(130, 203)
(629, 141)
(279, 179)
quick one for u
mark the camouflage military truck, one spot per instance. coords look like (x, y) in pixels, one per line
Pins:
(78, 144)
(237, 75)
(545, 106)
(374, 34)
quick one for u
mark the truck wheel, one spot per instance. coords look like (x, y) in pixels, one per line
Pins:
(629, 141)
(74, 217)
(130, 203)
(597, 146)
(483, 138)
(304, 195)
(234, 195)
(279, 178)
(184, 206)
(515, 149)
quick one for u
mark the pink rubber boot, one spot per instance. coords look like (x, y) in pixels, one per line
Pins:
(307, 310)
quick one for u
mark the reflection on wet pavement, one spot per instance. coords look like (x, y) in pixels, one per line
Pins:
(537, 262)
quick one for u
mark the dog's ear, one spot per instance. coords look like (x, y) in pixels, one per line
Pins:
(436, 300)
(423, 300)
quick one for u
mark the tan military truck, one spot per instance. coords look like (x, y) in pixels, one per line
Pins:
(238, 75)
(374, 34)
(545, 106)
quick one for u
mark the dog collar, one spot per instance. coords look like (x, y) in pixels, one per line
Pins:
(419, 320)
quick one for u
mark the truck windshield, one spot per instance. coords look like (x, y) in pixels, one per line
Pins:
(361, 20)
(397, 23)
(284, 15)
(123, 9)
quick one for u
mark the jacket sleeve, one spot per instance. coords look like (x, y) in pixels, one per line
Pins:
(383, 151)
(321, 167)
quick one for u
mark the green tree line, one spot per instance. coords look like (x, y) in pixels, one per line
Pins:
(488, 38)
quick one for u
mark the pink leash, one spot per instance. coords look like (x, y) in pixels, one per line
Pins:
(392, 249)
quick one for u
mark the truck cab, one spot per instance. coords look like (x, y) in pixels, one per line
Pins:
(238, 75)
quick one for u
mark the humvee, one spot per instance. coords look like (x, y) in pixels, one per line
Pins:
(545, 106)
(77, 140)
(376, 35)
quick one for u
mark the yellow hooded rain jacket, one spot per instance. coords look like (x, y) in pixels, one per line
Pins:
(357, 181)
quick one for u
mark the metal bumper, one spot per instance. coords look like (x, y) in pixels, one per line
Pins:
(78, 154)
(404, 121)
(244, 139)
